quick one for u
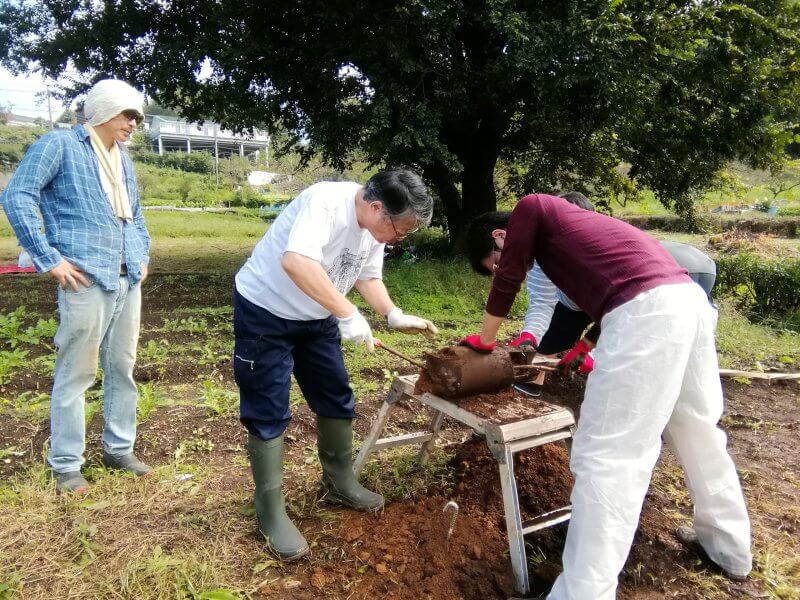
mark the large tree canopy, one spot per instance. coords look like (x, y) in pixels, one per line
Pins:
(564, 90)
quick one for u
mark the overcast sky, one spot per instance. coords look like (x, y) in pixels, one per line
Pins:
(21, 93)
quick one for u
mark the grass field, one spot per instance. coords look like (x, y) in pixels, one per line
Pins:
(188, 532)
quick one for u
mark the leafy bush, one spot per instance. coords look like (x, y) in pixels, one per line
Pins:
(169, 186)
(196, 162)
(789, 211)
(15, 141)
(10, 154)
(768, 288)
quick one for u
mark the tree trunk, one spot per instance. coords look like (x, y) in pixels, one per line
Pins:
(477, 187)
(444, 182)
(477, 195)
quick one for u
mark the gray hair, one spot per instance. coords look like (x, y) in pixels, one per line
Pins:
(402, 193)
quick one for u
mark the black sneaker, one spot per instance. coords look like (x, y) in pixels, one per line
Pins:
(533, 390)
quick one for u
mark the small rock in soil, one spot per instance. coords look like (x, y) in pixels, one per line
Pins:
(318, 579)
(291, 584)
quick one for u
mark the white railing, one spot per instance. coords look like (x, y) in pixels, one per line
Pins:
(183, 128)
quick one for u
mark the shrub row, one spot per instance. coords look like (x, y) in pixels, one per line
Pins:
(787, 226)
(196, 162)
(768, 288)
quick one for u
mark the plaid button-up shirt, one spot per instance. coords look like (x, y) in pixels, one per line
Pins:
(60, 176)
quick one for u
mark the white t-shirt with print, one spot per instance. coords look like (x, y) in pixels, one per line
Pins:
(321, 224)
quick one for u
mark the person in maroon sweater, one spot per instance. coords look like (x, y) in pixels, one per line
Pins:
(656, 374)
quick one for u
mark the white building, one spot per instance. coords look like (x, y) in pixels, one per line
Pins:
(172, 134)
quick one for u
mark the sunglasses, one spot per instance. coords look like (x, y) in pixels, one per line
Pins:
(133, 115)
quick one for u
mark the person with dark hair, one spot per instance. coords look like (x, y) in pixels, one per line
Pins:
(553, 323)
(656, 374)
(290, 314)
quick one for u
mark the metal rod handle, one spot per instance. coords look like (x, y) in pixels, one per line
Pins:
(416, 363)
(534, 368)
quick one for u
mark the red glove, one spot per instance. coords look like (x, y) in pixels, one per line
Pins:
(524, 339)
(474, 342)
(578, 359)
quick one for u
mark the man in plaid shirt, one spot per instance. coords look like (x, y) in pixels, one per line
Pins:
(96, 245)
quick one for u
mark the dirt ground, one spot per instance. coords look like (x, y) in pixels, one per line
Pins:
(404, 551)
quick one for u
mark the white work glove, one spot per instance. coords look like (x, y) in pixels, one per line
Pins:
(356, 329)
(397, 319)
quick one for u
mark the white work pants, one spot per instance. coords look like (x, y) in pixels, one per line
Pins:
(656, 373)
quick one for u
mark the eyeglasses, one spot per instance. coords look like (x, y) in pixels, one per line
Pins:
(133, 115)
(397, 235)
(496, 253)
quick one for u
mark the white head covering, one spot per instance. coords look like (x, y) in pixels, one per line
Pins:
(108, 98)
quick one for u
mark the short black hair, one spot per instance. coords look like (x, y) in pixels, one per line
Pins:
(402, 193)
(479, 241)
(578, 200)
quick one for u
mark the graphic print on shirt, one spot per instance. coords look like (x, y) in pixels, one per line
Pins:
(345, 269)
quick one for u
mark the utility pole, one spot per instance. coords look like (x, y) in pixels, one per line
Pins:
(49, 109)
(216, 154)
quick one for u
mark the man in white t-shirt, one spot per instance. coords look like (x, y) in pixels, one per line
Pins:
(290, 315)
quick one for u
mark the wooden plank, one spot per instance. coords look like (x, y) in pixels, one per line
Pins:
(757, 375)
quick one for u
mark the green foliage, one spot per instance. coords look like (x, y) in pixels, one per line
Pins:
(10, 154)
(768, 288)
(189, 324)
(34, 406)
(235, 169)
(149, 398)
(14, 334)
(219, 400)
(10, 361)
(154, 354)
(746, 345)
(565, 92)
(789, 211)
(196, 162)
(160, 186)
(14, 141)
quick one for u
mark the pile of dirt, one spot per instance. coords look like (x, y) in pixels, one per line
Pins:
(404, 553)
(543, 478)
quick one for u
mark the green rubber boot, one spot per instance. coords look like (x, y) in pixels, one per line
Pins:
(335, 444)
(266, 461)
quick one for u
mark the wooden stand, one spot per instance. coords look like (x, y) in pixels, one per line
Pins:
(535, 423)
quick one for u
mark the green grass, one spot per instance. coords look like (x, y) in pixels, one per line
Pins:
(197, 226)
(746, 345)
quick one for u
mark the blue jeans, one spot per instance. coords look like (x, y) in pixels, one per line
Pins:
(94, 323)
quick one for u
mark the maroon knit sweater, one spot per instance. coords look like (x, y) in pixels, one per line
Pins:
(597, 261)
